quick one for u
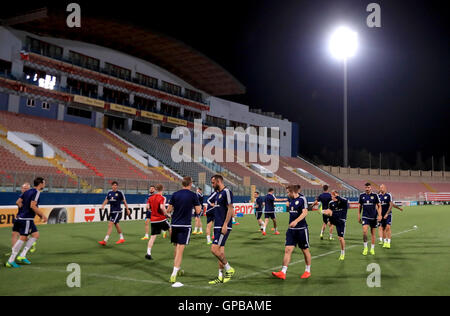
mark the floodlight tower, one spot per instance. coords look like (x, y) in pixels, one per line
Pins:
(343, 45)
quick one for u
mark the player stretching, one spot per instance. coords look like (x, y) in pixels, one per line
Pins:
(384, 230)
(269, 211)
(337, 211)
(198, 217)
(180, 207)
(115, 198)
(211, 205)
(258, 207)
(222, 228)
(148, 213)
(297, 234)
(28, 204)
(159, 217)
(369, 204)
(324, 199)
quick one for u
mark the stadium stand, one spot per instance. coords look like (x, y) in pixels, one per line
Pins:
(96, 155)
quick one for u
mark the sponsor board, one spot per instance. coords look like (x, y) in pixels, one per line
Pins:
(247, 208)
(55, 215)
(89, 101)
(154, 116)
(72, 214)
(123, 109)
(176, 121)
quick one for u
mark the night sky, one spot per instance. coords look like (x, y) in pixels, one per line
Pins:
(398, 82)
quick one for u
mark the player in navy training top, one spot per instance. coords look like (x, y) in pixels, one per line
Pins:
(384, 229)
(210, 207)
(180, 207)
(198, 217)
(148, 213)
(324, 199)
(223, 213)
(269, 211)
(370, 207)
(258, 208)
(337, 212)
(15, 235)
(115, 199)
(297, 233)
(28, 204)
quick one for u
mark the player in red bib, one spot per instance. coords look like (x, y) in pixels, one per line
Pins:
(158, 218)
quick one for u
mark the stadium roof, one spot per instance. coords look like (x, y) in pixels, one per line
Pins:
(159, 49)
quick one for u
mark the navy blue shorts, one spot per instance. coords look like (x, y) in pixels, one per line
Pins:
(220, 239)
(115, 217)
(181, 235)
(24, 227)
(258, 215)
(373, 223)
(385, 222)
(340, 226)
(325, 219)
(209, 217)
(270, 215)
(297, 237)
(148, 214)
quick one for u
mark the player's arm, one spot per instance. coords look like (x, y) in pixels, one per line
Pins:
(315, 203)
(359, 212)
(36, 209)
(104, 203)
(227, 218)
(300, 218)
(391, 205)
(169, 209)
(379, 211)
(163, 208)
(126, 206)
(397, 207)
(19, 202)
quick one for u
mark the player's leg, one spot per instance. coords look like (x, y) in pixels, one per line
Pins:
(209, 225)
(120, 232)
(11, 263)
(381, 236)
(275, 225)
(22, 258)
(266, 221)
(108, 232)
(303, 243)
(331, 230)
(147, 229)
(365, 238)
(373, 231)
(150, 246)
(288, 250)
(325, 220)
(178, 258)
(218, 250)
(388, 235)
(200, 224)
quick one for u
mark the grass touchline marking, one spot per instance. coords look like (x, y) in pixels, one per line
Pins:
(150, 281)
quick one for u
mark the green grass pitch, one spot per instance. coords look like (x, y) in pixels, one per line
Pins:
(417, 264)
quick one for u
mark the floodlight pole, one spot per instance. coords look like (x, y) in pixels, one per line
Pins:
(345, 115)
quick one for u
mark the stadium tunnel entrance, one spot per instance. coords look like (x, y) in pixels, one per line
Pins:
(114, 122)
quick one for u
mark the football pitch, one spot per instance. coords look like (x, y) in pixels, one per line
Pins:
(417, 264)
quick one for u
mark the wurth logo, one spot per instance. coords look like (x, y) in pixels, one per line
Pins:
(89, 211)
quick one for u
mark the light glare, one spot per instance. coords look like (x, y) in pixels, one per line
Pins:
(343, 43)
